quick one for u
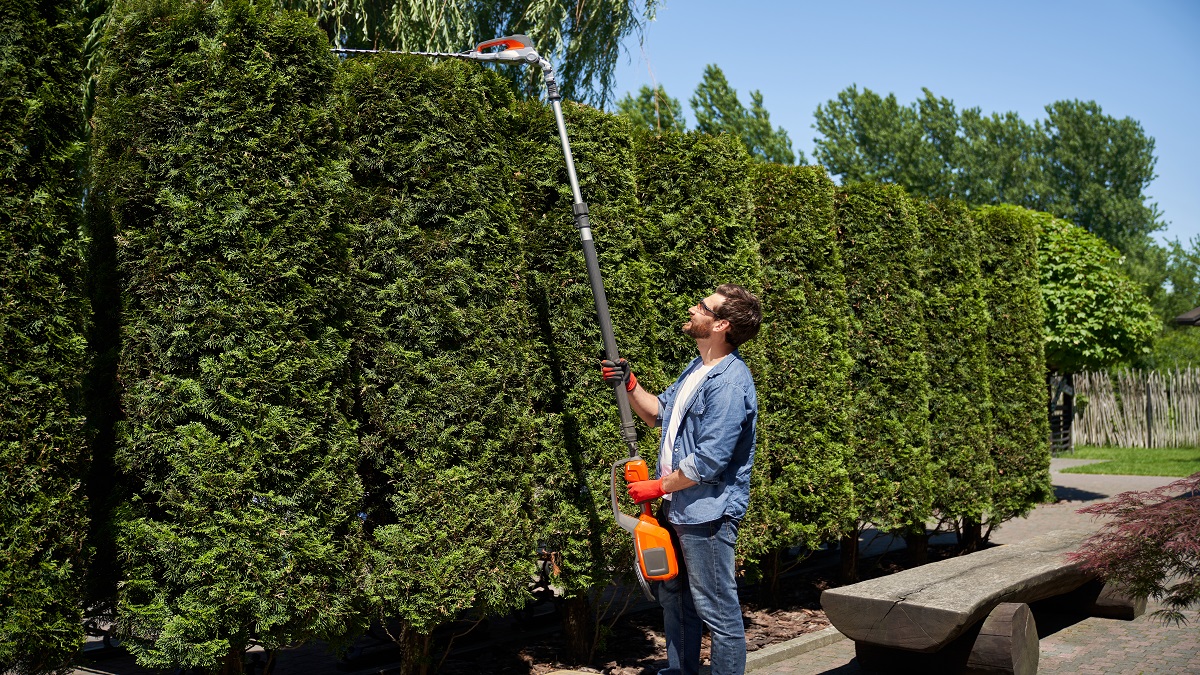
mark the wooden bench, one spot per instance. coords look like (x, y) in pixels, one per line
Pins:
(970, 613)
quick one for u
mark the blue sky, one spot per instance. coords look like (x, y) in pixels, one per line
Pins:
(1136, 59)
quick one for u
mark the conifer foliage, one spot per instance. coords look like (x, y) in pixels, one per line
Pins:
(43, 448)
(801, 491)
(889, 380)
(216, 158)
(440, 291)
(1020, 429)
(957, 325)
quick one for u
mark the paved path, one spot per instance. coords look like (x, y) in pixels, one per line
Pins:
(1094, 645)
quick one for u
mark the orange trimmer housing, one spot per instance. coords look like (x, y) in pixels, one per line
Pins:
(651, 541)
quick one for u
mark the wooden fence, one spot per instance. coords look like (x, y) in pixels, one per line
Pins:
(1138, 409)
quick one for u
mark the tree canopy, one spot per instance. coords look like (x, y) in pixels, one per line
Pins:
(1096, 316)
(653, 109)
(1078, 163)
(718, 110)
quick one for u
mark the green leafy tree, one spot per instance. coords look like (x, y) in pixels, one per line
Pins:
(44, 449)
(960, 409)
(1020, 448)
(653, 109)
(1095, 315)
(1098, 169)
(889, 464)
(718, 111)
(1078, 163)
(1177, 346)
(217, 163)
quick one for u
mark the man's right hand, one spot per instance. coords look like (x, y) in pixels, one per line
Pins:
(618, 372)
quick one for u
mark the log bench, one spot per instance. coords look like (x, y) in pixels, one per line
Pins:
(969, 614)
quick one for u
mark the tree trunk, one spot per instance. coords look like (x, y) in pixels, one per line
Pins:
(234, 661)
(917, 542)
(849, 549)
(972, 533)
(414, 651)
(579, 627)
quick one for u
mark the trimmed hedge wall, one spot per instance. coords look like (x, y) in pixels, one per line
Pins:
(957, 325)
(801, 490)
(218, 161)
(890, 463)
(446, 420)
(359, 347)
(1020, 427)
(44, 450)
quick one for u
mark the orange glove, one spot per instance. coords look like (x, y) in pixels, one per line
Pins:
(645, 490)
(618, 371)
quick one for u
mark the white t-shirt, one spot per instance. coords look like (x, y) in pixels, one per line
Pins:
(686, 391)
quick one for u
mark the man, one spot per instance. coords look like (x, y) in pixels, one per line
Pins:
(707, 449)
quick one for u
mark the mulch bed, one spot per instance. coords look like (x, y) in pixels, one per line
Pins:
(634, 644)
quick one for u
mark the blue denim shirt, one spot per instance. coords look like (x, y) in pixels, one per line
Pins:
(715, 443)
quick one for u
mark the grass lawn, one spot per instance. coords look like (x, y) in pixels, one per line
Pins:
(1138, 461)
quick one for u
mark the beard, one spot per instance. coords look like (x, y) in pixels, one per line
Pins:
(697, 330)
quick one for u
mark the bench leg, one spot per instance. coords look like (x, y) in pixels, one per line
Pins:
(1113, 603)
(1007, 642)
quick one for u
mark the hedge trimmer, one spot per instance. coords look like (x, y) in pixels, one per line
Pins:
(655, 556)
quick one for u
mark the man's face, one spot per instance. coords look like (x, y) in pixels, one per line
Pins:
(702, 318)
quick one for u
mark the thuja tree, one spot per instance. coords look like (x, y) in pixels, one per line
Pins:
(1020, 447)
(889, 462)
(442, 351)
(956, 323)
(1096, 316)
(802, 494)
(43, 447)
(577, 429)
(216, 158)
(695, 192)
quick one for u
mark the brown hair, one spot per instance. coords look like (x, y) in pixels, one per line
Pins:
(743, 312)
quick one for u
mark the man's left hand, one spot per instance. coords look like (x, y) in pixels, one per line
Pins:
(645, 490)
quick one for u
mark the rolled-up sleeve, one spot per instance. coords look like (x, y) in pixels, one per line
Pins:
(727, 410)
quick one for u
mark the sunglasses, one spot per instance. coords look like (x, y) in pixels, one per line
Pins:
(708, 309)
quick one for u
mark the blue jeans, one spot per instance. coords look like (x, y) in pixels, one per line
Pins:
(704, 594)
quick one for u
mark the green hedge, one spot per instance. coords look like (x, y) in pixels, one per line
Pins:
(801, 494)
(1020, 426)
(956, 323)
(44, 451)
(577, 428)
(441, 290)
(217, 160)
(890, 462)
(695, 194)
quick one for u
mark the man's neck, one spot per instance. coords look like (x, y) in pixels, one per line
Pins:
(713, 350)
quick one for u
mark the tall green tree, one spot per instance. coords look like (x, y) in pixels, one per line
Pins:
(1098, 168)
(718, 111)
(216, 159)
(889, 460)
(801, 494)
(44, 450)
(1020, 448)
(960, 406)
(653, 109)
(1078, 163)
